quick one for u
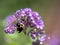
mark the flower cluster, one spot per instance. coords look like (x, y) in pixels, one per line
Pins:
(24, 18)
(37, 36)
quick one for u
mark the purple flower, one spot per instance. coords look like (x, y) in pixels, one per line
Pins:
(37, 36)
(10, 29)
(24, 18)
(10, 19)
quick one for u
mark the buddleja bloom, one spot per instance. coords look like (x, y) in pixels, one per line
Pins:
(24, 18)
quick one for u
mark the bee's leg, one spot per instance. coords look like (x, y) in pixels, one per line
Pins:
(24, 32)
(19, 29)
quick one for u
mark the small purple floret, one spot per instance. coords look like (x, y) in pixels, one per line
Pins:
(10, 29)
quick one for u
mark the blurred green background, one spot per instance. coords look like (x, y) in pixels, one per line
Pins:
(48, 9)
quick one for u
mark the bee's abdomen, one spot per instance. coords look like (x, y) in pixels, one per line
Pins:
(19, 29)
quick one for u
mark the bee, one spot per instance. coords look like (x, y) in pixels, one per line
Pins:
(20, 28)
